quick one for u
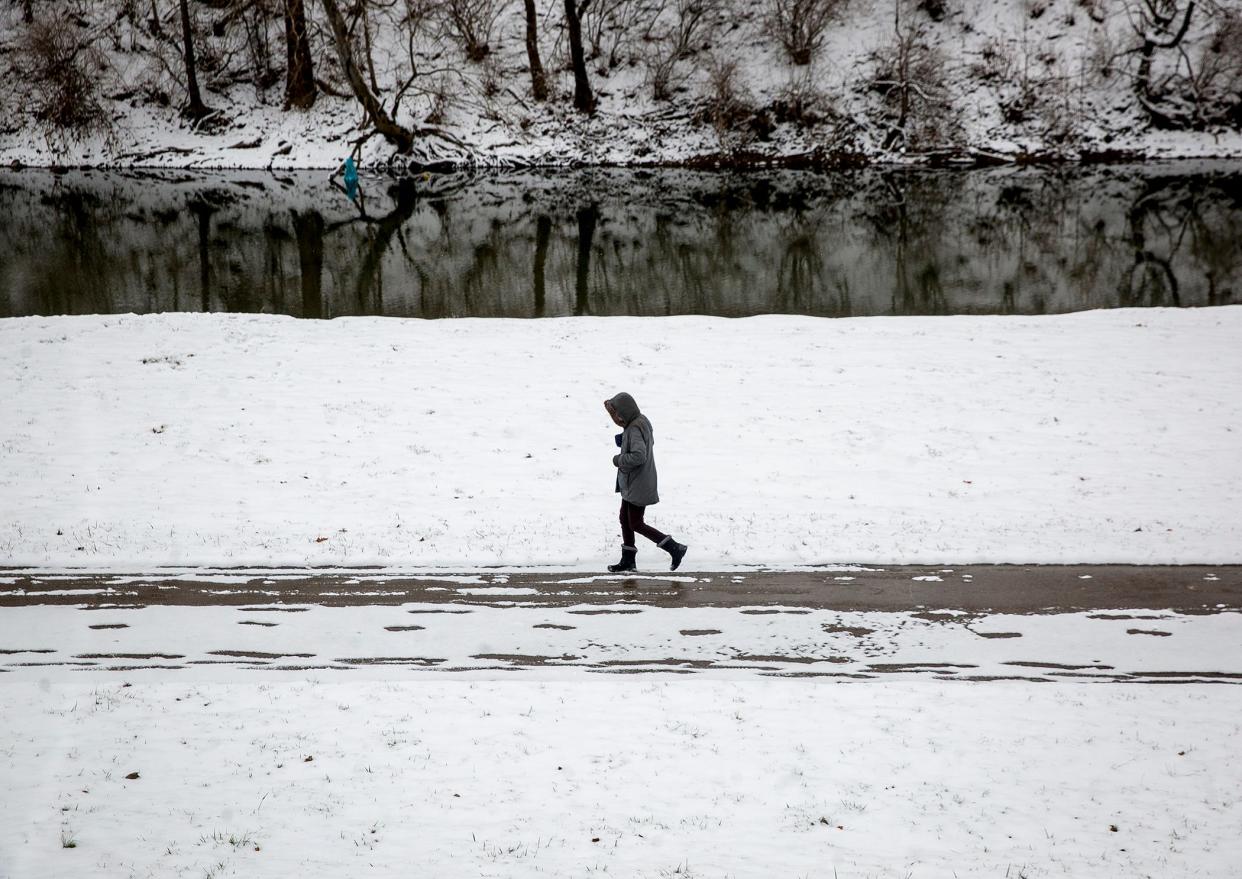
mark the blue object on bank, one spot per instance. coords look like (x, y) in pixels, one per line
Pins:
(618, 439)
(351, 180)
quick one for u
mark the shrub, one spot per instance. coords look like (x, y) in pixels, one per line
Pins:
(691, 25)
(472, 22)
(799, 25)
(607, 25)
(63, 70)
(910, 77)
(439, 94)
(728, 104)
(800, 103)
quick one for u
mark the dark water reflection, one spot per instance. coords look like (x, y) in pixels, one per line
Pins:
(617, 242)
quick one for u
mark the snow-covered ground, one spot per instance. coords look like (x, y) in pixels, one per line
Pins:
(225, 439)
(588, 638)
(504, 740)
(515, 740)
(618, 776)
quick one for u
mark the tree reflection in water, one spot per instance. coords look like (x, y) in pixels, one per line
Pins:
(614, 241)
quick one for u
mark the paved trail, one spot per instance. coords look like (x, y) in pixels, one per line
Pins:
(1117, 623)
(978, 588)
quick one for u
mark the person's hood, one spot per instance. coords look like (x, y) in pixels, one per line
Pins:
(625, 407)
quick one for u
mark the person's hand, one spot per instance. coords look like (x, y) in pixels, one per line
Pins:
(616, 460)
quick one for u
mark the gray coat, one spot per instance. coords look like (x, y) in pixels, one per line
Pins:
(635, 463)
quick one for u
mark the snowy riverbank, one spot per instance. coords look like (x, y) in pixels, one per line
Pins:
(673, 83)
(225, 439)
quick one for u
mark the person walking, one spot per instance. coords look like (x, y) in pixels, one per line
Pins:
(636, 482)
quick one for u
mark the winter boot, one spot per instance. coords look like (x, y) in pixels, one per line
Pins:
(674, 549)
(628, 554)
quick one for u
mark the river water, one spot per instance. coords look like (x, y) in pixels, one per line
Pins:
(889, 241)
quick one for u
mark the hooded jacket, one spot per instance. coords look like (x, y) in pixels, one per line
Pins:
(635, 463)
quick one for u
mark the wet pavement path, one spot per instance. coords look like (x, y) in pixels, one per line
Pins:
(978, 588)
(982, 623)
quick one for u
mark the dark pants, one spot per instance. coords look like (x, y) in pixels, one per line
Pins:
(632, 520)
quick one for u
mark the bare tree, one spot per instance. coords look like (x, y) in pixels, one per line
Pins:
(364, 13)
(584, 100)
(538, 82)
(799, 25)
(691, 22)
(1215, 81)
(472, 22)
(398, 135)
(423, 144)
(195, 109)
(256, 17)
(728, 106)
(63, 67)
(1157, 23)
(1177, 86)
(607, 24)
(1036, 90)
(300, 88)
(910, 78)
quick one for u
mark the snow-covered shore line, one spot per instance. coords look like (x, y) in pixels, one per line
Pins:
(782, 441)
(321, 139)
(149, 155)
(628, 777)
(995, 79)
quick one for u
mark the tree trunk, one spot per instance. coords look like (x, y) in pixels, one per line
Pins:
(584, 101)
(195, 109)
(154, 24)
(300, 89)
(366, 37)
(1161, 117)
(538, 83)
(399, 136)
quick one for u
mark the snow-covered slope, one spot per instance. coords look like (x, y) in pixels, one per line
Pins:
(1003, 78)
